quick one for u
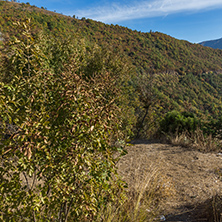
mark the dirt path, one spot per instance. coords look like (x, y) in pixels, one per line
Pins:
(193, 175)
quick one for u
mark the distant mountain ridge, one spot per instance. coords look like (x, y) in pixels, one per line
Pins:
(215, 44)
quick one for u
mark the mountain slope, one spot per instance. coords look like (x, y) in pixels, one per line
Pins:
(188, 76)
(216, 44)
(152, 51)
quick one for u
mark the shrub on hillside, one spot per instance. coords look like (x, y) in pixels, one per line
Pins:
(59, 163)
(178, 122)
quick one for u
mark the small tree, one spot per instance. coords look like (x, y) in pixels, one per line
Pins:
(147, 96)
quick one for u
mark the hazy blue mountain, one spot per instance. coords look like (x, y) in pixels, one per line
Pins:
(216, 44)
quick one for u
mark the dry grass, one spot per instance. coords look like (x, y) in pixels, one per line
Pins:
(195, 140)
(205, 143)
(211, 209)
(145, 195)
(182, 139)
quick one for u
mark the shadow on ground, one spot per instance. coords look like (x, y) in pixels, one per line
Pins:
(208, 211)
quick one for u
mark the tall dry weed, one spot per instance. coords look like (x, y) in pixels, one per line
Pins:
(145, 195)
(204, 143)
(196, 139)
(182, 139)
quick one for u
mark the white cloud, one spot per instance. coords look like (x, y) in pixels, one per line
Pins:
(144, 9)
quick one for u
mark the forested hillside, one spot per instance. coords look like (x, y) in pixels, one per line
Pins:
(174, 73)
(153, 51)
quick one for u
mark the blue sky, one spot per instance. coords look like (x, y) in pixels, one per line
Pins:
(191, 20)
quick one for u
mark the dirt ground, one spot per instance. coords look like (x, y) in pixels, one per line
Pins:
(195, 177)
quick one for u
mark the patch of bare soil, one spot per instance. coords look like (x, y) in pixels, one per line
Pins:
(195, 177)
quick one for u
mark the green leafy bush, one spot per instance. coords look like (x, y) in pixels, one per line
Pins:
(178, 122)
(57, 159)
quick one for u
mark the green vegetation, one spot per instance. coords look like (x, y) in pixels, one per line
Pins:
(153, 51)
(182, 76)
(60, 118)
(175, 122)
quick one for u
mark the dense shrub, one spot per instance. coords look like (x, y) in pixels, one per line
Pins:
(59, 162)
(178, 122)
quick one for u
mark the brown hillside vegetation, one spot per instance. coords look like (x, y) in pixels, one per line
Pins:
(186, 77)
(193, 178)
(151, 51)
